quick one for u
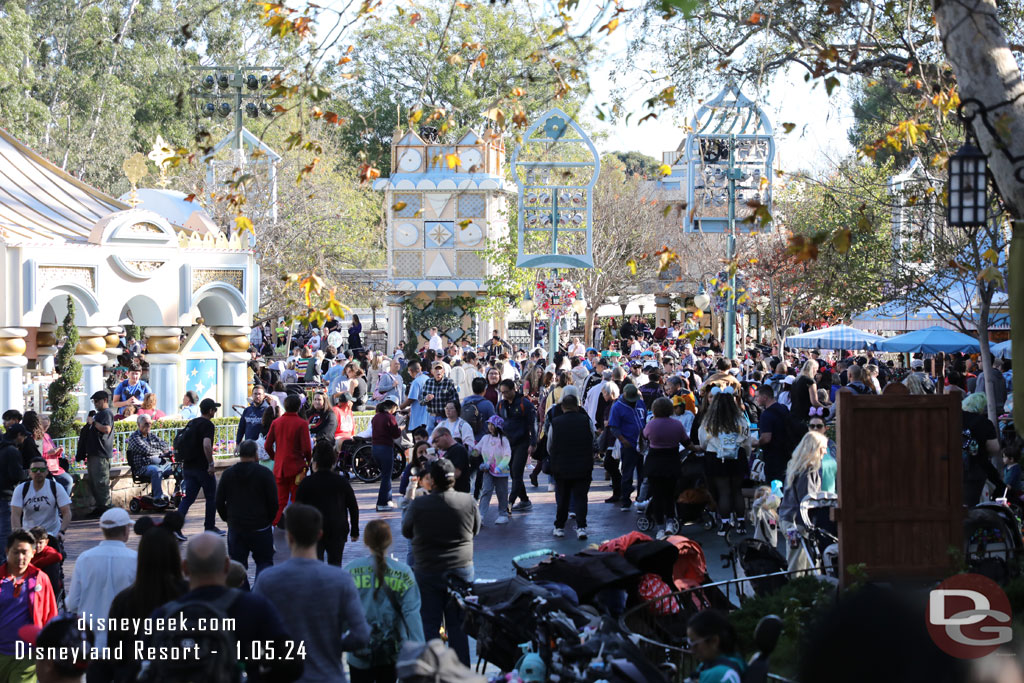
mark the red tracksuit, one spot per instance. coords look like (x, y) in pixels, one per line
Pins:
(288, 445)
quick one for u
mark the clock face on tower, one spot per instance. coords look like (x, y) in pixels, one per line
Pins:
(406, 234)
(409, 160)
(472, 160)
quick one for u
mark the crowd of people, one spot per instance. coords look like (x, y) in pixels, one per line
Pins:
(475, 418)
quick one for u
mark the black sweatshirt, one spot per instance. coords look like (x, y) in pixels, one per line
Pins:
(247, 496)
(332, 495)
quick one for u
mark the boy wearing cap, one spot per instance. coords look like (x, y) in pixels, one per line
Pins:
(99, 449)
(104, 571)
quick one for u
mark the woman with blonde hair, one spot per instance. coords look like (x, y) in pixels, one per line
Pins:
(391, 600)
(872, 378)
(803, 477)
(803, 394)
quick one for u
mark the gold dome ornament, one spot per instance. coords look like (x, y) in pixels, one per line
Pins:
(134, 168)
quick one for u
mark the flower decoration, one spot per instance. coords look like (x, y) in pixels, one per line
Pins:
(556, 295)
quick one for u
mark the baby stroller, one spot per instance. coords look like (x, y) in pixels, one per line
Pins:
(818, 532)
(694, 504)
(992, 540)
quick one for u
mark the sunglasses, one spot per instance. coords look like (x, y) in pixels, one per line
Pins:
(816, 425)
(37, 469)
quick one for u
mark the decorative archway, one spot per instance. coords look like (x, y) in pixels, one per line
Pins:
(56, 307)
(219, 305)
(142, 311)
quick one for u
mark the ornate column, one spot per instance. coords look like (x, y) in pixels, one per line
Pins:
(12, 366)
(46, 347)
(396, 326)
(113, 338)
(662, 309)
(162, 355)
(92, 344)
(234, 342)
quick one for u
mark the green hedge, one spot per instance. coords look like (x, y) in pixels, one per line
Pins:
(129, 425)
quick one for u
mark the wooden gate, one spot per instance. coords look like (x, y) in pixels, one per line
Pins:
(899, 483)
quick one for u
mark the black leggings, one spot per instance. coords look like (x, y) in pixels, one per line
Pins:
(663, 498)
(611, 466)
(726, 478)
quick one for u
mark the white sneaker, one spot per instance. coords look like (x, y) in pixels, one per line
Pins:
(558, 533)
(502, 519)
(641, 505)
(581, 534)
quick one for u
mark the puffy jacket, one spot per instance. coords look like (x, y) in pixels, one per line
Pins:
(571, 445)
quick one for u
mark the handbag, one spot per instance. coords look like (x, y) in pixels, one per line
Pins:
(616, 451)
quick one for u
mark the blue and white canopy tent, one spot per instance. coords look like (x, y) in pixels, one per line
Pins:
(1000, 350)
(837, 338)
(930, 340)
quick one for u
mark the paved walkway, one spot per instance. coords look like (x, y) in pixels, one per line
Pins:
(494, 547)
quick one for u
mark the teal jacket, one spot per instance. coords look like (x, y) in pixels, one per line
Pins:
(378, 608)
(722, 673)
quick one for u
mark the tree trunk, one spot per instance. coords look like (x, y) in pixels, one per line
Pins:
(986, 70)
(588, 332)
(985, 292)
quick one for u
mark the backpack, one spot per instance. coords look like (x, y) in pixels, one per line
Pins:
(729, 445)
(183, 439)
(217, 658)
(385, 637)
(734, 666)
(471, 414)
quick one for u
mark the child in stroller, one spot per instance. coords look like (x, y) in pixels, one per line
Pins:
(50, 559)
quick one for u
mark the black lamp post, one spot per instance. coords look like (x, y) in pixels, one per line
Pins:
(968, 183)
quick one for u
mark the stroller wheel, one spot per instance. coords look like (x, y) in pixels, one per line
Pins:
(707, 520)
(644, 523)
(671, 526)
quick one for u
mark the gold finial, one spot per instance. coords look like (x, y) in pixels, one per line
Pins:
(134, 168)
(161, 154)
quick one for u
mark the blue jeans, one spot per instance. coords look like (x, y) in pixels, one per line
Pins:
(435, 605)
(5, 520)
(192, 481)
(630, 463)
(259, 543)
(432, 421)
(156, 474)
(384, 456)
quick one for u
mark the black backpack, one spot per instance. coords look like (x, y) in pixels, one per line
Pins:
(217, 658)
(183, 440)
(386, 637)
(471, 414)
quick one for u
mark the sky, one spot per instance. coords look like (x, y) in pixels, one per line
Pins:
(816, 143)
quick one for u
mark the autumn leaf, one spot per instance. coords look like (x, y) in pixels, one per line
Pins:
(465, 223)
(610, 26)
(243, 224)
(190, 198)
(841, 241)
(755, 18)
(665, 169)
(414, 18)
(455, 58)
(991, 255)
(398, 206)
(788, 127)
(367, 172)
(631, 264)
(481, 60)
(830, 84)
(415, 117)
(452, 160)
(344, 60)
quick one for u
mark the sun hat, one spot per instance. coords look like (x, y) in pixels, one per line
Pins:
(497, 421)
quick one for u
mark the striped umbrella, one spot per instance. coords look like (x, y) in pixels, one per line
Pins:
(838, 338)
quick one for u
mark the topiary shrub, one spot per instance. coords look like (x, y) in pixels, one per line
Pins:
(63, 402)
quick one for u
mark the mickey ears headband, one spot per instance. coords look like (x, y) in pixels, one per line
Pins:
(722, 390)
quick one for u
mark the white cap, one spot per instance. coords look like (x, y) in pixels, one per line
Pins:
(115, 517)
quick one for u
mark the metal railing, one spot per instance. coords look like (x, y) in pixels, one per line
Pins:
(223, 445)
(664, 642)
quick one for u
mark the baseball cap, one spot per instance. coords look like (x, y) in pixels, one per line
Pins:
(100, 396)
(17, 429)
(630, 394)
(115, 517)
(208, 404)
(591, 348)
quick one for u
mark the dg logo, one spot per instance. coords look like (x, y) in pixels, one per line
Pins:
(969, 616)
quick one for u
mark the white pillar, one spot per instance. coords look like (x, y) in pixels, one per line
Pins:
(92, 378)
(396, 328)
(234, 389)
(46, 349)
(12, 366)
(162, 355)
(235, 386)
